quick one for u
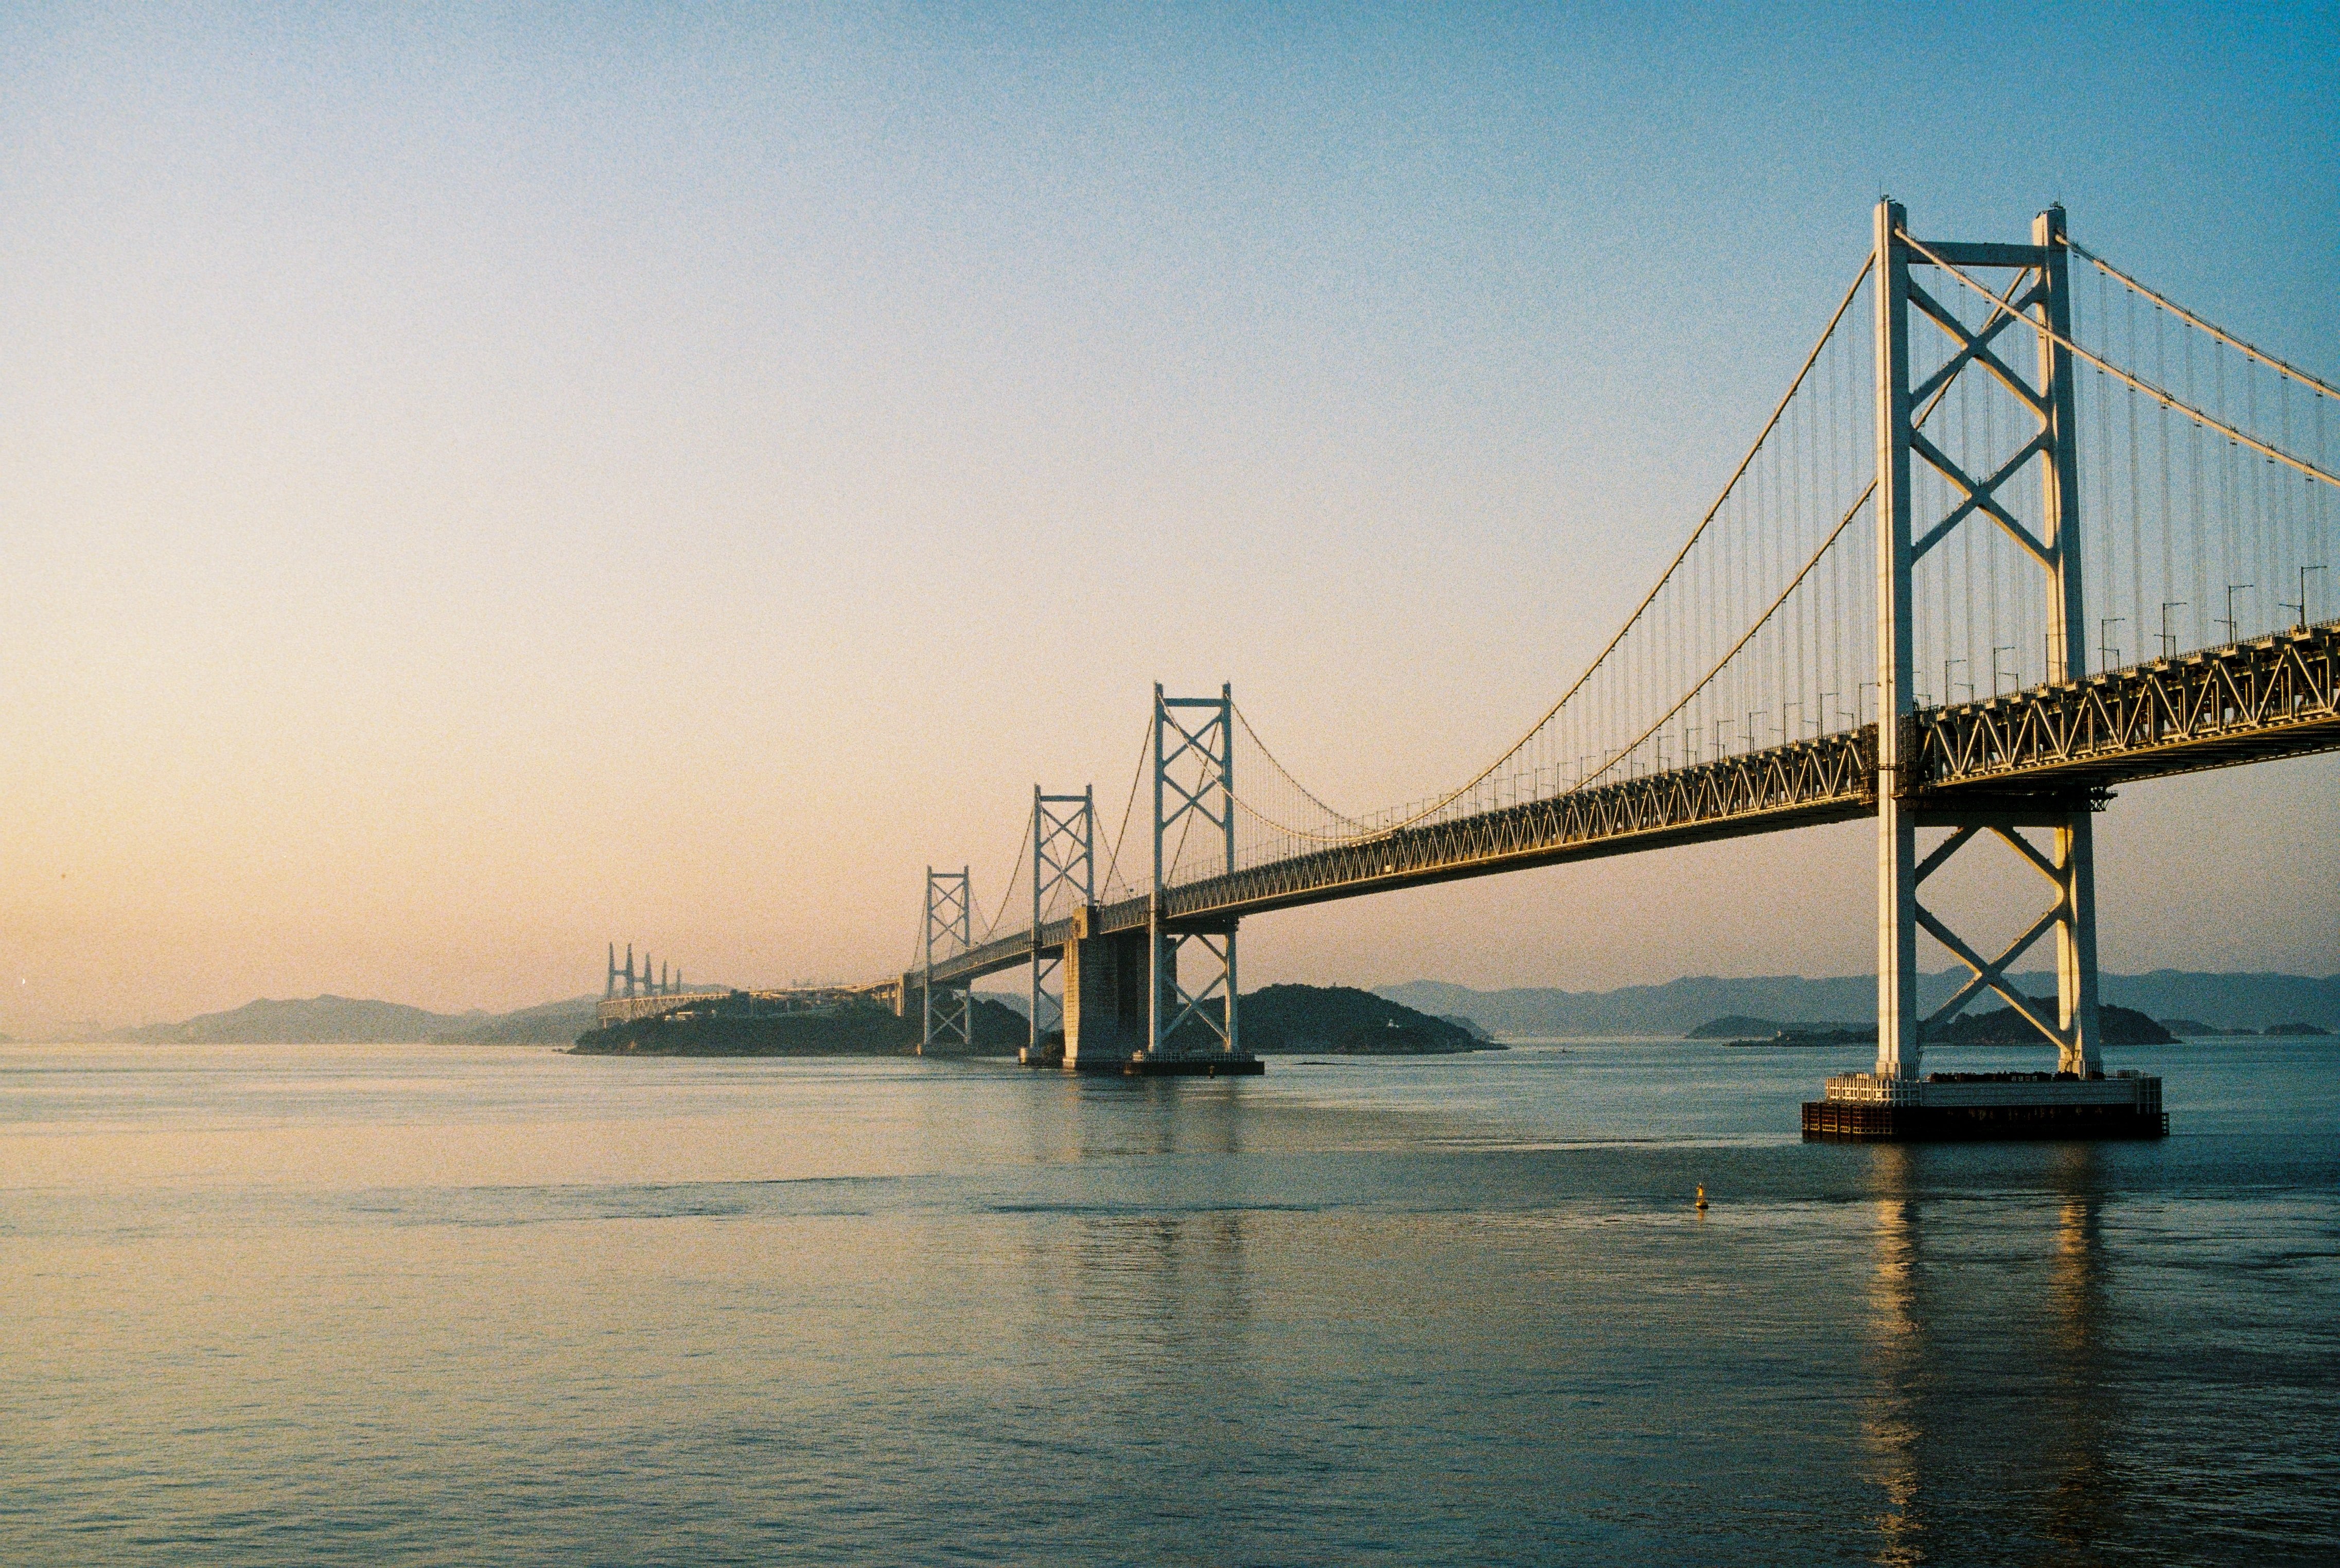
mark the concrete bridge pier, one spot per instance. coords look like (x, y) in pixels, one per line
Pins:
(1106, 1016)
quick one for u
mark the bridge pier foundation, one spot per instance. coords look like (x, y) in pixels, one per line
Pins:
(1105, 1010)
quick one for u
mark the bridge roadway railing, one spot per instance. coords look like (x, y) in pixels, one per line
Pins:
(2260, 699)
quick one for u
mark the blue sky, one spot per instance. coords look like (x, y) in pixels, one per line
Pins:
(484, 480)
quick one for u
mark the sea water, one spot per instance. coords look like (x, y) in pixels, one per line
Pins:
(423, 1304)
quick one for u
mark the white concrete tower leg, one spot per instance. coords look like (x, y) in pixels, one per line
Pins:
(927, 990)
(1227, 823)
(2076, 862)
(2076, 948)
(1897, 1047)
(1039, 883)
(1156, 960)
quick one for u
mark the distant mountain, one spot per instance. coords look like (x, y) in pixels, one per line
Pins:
(546, 1024)
(2232, 1001)
(1678, 1007)
(325, 1020)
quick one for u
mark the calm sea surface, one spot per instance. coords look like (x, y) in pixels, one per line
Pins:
(333, 1305)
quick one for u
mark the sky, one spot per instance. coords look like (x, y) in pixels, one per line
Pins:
(481, 482)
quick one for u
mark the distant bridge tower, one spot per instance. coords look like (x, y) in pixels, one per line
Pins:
(2040, 292)
(1193, 787)
(1064, 857)
(609, 990)
(947, 1019)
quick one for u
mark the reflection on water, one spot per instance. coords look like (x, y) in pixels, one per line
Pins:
(1896, 1358)
(1998, 1349)
(2079, 1406)
(365, 1304)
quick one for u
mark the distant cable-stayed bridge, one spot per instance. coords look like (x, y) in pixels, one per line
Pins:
(2020, 530)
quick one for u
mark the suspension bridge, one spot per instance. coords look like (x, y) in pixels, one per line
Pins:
(2020, 530)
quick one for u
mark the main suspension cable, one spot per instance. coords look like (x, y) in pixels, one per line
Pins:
(1273, 763)
(1704, 681)
(1023, 847)
(1441, 803)
(2182, 314)
(1113, 864)
(2147, 388)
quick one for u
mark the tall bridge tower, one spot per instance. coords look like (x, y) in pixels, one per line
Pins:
(1155, 994)
(1063, 861)
(1193, 787)
(946, 1018)
(2038, 290)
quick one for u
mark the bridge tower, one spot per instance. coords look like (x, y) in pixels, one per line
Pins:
(1194, 787)
(1064, 857)
(1906, 269)
(947, 1019)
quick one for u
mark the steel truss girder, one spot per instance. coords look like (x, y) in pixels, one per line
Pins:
(2266, 697)
(2007, 759)
(1832, 778)
(1820, 779)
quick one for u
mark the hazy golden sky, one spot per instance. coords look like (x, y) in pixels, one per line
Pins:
(482, 482)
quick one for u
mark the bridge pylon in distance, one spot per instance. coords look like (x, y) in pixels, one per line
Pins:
(1194, 789)
(1063, 860)
(946, 1018)
(2038, 296)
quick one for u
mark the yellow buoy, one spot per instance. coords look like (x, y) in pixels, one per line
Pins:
(1701, 1195)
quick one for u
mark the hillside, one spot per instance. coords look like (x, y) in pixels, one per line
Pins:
(325, 1020)
(546, 1024)
(2005, 1026)
(1339, 1020)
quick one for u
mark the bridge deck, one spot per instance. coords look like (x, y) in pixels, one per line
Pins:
(2247, 701)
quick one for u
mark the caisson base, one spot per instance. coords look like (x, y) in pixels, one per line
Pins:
(1862, 1107)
